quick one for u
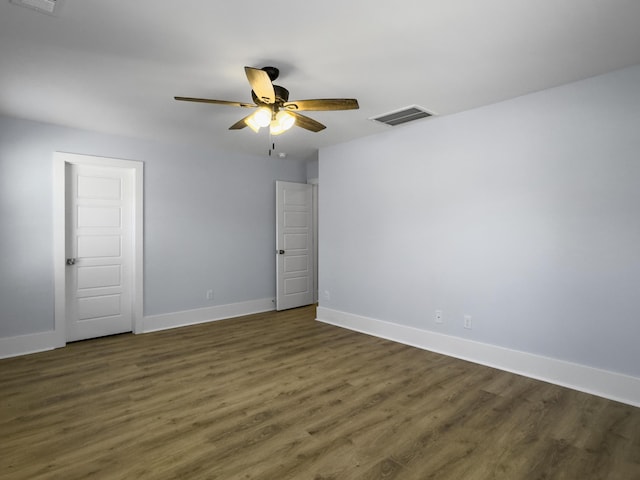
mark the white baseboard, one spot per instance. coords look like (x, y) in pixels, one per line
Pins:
(603, 383)
(32, 343)
(153, 323)
(40, 342)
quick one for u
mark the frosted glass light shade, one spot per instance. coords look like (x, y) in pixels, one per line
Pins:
(251, 123)
(283, 122)
(262, 117)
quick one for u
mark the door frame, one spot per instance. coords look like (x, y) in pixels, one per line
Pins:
(311, 247)
(314, 222)
(60, 159)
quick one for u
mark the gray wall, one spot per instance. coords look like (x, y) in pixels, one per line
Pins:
(524, 214)
(209, 221)
(313, 168)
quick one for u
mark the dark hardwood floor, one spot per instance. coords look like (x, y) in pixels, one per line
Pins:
(280, 396)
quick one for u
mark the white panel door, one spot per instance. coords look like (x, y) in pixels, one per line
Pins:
(294, 249)
(99, 209)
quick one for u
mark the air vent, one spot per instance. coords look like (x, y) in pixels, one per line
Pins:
(49, 7)
(398, 117)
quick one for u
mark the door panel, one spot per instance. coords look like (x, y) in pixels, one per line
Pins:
(99, 217)
(99, 239)
(103, 246)
(92, 308)
(295, 219)
(296, 285)
(99, 276)
(294, 257)
(295, 264)
(296, 241)
(97, 187)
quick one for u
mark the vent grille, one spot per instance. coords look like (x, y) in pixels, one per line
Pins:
(398, 117)
(45, 6)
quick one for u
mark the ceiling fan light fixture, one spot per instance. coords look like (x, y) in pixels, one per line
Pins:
(251, 123)
(263, 116)
(275, 128)
(260, 118)
(285, 119)
(283, 122)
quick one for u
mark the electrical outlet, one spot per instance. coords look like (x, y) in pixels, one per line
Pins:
(327, 295)
(467, 322)
(209, 295)
(438, 317)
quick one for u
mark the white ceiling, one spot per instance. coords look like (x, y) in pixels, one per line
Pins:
(114, 66)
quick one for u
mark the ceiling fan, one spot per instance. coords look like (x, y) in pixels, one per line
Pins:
(274, 110)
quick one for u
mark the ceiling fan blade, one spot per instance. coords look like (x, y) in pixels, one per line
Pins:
(217, 102)
(261, 84)
(240, 123)
(307, 123)
(323, 104)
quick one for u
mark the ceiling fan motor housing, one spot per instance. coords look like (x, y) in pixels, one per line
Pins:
(282, 96)
(273, 72)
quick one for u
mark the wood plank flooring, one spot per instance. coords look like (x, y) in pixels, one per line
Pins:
(280, 396)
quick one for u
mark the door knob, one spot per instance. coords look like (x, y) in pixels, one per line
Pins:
(71, 261)
(281, 252)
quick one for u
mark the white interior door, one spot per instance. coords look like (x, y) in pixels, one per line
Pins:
(294, 246)
(99, 250)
